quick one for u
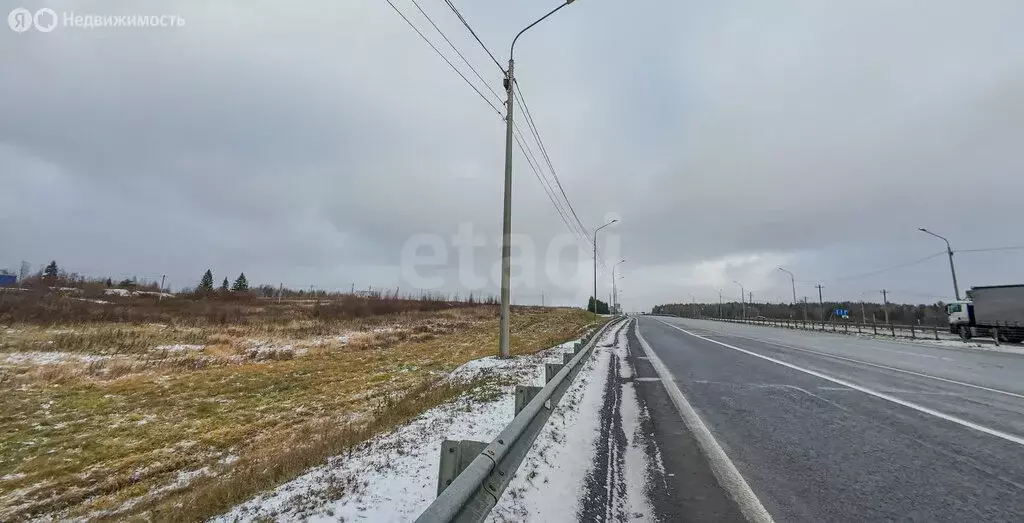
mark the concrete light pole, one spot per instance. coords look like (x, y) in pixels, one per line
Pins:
(615, 291)
(595, 261)
(949, 251)
(506, 225)
(742, 298)
(792, 281)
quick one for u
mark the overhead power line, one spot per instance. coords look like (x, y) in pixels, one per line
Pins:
(443, 57)
(472, 32)
(532, 161)
(544, 152)
(456, 49)
(892, 268)
(992, 249)
(878, 271)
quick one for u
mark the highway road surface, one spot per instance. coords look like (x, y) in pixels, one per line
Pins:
(819, 427)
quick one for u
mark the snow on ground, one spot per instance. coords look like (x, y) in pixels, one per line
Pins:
(49, 358)
(569, 461)
(394, 476)
(178, 348)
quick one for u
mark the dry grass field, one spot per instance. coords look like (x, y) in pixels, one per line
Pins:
(182, 418)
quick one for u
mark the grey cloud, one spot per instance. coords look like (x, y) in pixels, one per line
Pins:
(306, 144)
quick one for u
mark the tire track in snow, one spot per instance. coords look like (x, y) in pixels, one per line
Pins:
(605, 497)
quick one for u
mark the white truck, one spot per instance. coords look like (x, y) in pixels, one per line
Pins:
(989, 311)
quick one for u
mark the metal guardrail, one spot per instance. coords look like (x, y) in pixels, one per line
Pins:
(475, 490)
(883, 329)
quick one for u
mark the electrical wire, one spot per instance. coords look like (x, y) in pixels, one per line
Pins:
(536, 135)
(894, 267)
(472, 32)
(992, 249)
(446, 39)
(530, 160)
(445, 58)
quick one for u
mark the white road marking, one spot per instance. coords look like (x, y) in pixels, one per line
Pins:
(886, 367)
(881, 395)
(721, 466)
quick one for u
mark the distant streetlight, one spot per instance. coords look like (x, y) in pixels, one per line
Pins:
(742, 298)
(615, 290)
(595, 261)
(949, 251)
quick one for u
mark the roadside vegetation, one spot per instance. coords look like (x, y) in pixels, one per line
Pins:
(148, 407)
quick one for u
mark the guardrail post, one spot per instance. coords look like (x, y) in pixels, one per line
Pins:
(550, 369)
(846, 327)
(455, 457)
(935, 329)
(524, 393)
(858, 328)
(912, 335)
(995, 335)
(892, 328)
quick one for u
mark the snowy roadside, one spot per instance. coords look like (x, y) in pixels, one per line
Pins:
(590, 462)
(393, 477)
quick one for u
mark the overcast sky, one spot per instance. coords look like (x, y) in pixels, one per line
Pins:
(311, 143)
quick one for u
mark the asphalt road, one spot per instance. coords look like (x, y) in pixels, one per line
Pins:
(836, 428)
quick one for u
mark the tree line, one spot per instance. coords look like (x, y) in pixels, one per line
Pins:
(897, 313)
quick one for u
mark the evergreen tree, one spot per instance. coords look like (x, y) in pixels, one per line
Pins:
(206, 284)
(241, 284)
(224, 285)
(50, 273)
(110, 283)
(602, 307)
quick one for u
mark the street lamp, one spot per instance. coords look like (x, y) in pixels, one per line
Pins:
(949, 251)
(595, 261)
(615, 291)
(506, 225)
(742, 298)
(792, 280)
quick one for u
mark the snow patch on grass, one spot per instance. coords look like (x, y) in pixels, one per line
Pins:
(49, 358)
(178, 348)
(394, 476)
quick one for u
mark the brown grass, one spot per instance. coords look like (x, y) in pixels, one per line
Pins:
(109, 439)
(61, 308)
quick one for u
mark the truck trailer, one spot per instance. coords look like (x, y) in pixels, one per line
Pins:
(989, 311)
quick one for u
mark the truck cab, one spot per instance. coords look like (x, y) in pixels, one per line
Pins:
(961, 318)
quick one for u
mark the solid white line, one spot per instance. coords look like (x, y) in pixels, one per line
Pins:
(959, 421)
(894, 369)
(721, 466)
